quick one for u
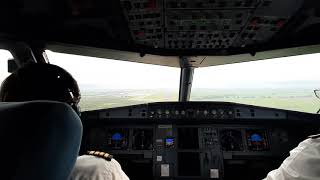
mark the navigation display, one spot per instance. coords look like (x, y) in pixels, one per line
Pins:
(231, 140)
(257, 140)
(142, 139)
(117, 138)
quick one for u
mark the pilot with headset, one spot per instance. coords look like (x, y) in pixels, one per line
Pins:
(50, 82)
(302, 164)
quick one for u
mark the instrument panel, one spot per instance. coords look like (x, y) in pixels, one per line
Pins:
(231, 140)
(257, 140)
(175, 137)
(197, 140)
(108, 139)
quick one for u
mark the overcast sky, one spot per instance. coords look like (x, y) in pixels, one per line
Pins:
(128, 75)
(272, 73)
(4, 56)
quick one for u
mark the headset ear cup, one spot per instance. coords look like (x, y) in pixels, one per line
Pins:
(73, 102)
(76, 108)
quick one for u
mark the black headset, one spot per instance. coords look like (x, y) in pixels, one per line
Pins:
(74, 103)
(60, 80)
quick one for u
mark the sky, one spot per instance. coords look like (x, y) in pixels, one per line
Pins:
(294, 71)
(273, 73)
(112, 74)
(4, 56)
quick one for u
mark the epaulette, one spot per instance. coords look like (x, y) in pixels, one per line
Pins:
(100, 154)
(316, 136)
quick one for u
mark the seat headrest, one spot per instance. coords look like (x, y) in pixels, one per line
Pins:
(39, 140)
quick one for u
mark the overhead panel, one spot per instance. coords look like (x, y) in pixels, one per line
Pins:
(202, 29)
(211, 4)
(205, 24)
(266, 21)
(145, 20)
(260, 29)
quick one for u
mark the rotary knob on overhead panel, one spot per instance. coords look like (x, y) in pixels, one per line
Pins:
(214, 112)
(221, 111)
(230, 112)
(176, 112)
(167, 112)
(183, 112)
(151, 114)
(205, 112)
(159, 111)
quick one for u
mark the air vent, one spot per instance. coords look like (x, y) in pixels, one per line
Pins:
(130, 112)
(238, 113)
(252, 113)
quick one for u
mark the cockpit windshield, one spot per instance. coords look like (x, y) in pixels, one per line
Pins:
(5, 55)
(107, 83)
(286, 83)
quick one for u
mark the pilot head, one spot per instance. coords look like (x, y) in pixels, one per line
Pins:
(41, 82)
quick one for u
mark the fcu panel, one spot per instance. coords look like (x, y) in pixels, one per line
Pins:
(191, 110)
(134, 112)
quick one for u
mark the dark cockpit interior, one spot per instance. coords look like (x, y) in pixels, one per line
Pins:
(184, 139)
(166, 27)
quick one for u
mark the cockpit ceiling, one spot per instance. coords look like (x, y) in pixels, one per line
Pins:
(165, 27)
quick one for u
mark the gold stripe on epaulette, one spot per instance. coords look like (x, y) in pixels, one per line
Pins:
(316, 136)
(100, 154)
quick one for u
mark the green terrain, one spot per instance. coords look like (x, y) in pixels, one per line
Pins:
(290, 99)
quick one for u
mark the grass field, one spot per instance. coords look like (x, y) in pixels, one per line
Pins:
(297, 99)
(291, 99)
(100, 99)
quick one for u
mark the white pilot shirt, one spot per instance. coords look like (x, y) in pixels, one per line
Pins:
(89, 167)
(302, 164)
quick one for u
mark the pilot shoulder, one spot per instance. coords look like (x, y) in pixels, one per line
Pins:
(100, 154)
